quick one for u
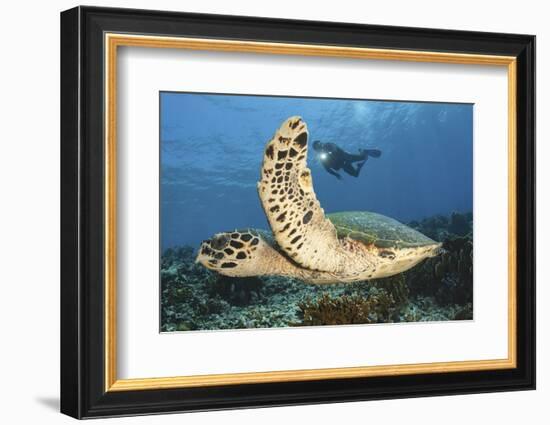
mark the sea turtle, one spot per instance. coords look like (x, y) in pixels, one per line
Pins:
(305, 243)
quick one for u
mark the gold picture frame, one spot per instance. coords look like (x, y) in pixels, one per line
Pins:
(114, 41)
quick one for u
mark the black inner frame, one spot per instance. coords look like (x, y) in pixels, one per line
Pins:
(82, 207)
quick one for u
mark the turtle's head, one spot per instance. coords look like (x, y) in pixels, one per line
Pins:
(232, 253)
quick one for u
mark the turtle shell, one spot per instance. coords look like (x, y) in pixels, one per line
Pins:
(372, 228)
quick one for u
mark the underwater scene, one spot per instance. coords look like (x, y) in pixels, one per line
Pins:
(288, 211)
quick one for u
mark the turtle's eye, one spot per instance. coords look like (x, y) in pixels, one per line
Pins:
(219, 241)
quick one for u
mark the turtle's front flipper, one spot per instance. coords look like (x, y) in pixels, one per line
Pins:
(286, 190)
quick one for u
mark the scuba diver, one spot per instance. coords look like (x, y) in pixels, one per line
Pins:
(334, 158)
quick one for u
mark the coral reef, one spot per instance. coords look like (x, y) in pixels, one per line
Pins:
(439, 289)
(448, 277)
(346, 309)
(241, 291)
(461, 224)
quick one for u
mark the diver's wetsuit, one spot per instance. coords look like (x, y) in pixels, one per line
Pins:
(335, 158)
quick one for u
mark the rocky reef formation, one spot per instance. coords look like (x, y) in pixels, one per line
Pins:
(448, 277)
(375, 304)
(439, 289)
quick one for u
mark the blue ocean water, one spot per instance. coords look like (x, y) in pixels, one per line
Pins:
(212, 149)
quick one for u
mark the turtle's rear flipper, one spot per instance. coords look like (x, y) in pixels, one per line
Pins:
(286, 190)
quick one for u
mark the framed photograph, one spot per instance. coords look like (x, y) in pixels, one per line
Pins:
(261, 212)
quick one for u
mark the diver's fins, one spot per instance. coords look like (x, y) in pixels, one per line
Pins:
(375, 153)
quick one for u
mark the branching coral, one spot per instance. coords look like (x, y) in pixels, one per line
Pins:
(396, 287)
(447, 277)
(347, 309)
